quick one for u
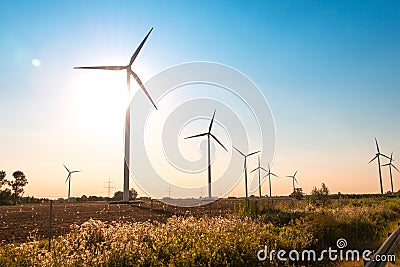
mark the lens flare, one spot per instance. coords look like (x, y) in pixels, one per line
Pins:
(36, 62)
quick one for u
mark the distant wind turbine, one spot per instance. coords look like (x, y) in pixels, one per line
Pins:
(129, 72)
(269, 178)
(390, 164)
(377, 155)
(294, 179)
(245, 166)
(69, 179)
(259, 168)
(209, 135)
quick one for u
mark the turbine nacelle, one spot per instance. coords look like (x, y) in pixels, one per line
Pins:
(390, 164)
(209, 134)
(293, 176)
(245, 156)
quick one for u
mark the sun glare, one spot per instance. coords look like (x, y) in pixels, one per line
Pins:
(100, 99)
(36, 62)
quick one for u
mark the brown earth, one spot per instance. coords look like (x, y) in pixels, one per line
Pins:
(19, 223)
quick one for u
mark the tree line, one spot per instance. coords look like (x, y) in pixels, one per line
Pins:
(12, 191)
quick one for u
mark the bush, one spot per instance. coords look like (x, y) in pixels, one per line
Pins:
(297, 193)
(319, 197)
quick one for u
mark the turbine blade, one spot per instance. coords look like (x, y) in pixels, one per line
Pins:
(66, 168)
(386, 164)
(211, 123)
(76, 171)
(252, 153)
(254, 170)
(294, 175)
(197, 135)
(69, 176)
(290, 176)
(143, 88)
(395, 168)
(274, 174)
(384, 156)
(377, 147)
(139, 48)
(213, 136)
(372, 159)
(240, 152)
(102, 68)
(263, 169)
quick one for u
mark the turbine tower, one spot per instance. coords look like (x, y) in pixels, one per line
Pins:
(377, 156)
(245, 167)
(259, 168)
(269, 178)
(390, 164)
(129, 72)
(209, 135)
(69, 180)
(294, 179)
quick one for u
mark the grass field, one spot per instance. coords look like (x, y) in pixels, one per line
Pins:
(101, 234)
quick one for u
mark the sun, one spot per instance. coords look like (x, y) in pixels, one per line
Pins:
(99, 101)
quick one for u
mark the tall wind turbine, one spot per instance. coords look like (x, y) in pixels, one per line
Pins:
(390, 164)
(294, 179)
(129, 72)
(209, 135)
(269, 178)
(259, 168)
(377, 156)
(245, 166)
(69, 180)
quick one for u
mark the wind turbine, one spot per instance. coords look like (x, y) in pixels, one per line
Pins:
(294, 179)
(209, 135)
(259, 168)
(69, 180)
(129, 72)
(390, 164)
(245, 166)
(269, 178)
(379, 163)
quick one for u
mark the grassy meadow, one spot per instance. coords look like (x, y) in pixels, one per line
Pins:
(229, 240)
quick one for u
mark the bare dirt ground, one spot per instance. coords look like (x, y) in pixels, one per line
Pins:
(18, 223)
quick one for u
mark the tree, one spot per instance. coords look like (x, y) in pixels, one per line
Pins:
(132, 194)
(17, 185)
(320, 196)
(118, 196)
(5, 195)
(297, 193)
(3, 180)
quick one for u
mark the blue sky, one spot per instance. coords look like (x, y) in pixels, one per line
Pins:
(329, 71)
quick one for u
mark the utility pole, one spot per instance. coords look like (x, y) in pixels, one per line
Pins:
(109, 186)
(169, 192)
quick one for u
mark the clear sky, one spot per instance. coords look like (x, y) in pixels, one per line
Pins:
(329, 70)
